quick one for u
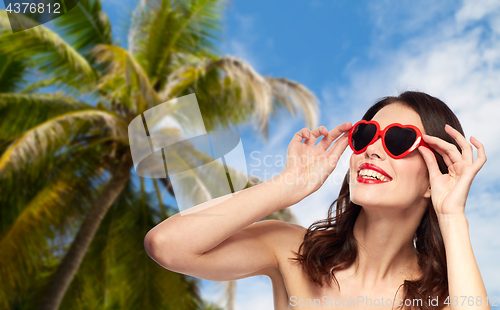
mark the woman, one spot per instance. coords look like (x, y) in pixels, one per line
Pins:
(399, 237)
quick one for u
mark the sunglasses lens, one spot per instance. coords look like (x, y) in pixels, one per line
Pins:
(362, 135)
(398, 140)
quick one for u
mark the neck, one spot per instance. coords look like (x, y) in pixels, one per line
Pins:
(385, 245)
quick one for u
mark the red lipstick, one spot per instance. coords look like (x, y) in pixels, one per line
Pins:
(374, 168)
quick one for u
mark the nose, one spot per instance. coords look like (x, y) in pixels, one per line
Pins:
(376, 150)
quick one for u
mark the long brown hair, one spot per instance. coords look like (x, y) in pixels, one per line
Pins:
(329, 244)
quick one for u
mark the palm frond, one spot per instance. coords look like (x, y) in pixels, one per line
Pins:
(54, 134)
(55, 100)
(109, 277)
(41, 83)
(12, 72)
(229, 90)
(85, 26)
(56, 201)
(164, 31)
(46, 50)
(121, 66)
(296, 98)
(20, 112)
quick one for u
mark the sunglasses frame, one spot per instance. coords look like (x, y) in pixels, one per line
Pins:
(381, 133)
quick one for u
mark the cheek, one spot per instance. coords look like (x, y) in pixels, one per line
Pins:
(421, 169)
(354, 163)
(413, 171)
(352, 173)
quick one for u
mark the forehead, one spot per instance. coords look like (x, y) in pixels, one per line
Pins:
(398, 113)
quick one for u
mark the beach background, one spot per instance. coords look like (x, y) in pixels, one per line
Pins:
(349, 55)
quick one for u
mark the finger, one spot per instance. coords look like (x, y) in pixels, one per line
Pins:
(334, 134)
(326, 140)
(443, 148)
(300, 135)
(430, 161)
(481, 154)
(462, 142)
(447, 160)
(342, 131)
(315, 134)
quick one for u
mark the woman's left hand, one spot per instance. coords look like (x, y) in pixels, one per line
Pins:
(449, 191)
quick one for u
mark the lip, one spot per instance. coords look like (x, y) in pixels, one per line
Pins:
(374, 168)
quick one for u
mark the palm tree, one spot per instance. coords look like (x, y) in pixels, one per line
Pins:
(73, 217)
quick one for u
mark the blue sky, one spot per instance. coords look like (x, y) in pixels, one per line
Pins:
(349, 54)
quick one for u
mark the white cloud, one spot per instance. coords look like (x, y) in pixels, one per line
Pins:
(451, 51)
(473, 10)
(458, 61)
(460, 66)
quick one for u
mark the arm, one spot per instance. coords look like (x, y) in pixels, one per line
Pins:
(449, 194)
(225, 247)
(464, 277)
(232, 246)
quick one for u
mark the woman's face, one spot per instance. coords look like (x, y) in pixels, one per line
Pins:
(408, 181)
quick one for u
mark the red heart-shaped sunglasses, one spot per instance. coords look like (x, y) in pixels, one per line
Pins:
(398, 140)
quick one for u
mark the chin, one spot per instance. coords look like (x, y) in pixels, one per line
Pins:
(370, 198)
(364, 198)
(367, 202)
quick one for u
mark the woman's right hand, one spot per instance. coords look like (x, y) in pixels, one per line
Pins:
(308, 165)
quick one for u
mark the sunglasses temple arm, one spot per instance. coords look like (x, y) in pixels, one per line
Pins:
(422, 143)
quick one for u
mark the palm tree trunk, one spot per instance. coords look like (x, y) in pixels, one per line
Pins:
(228, 295)
(67, 269)
(231, 294)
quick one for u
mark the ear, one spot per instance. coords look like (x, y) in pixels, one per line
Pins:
(427, 193)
